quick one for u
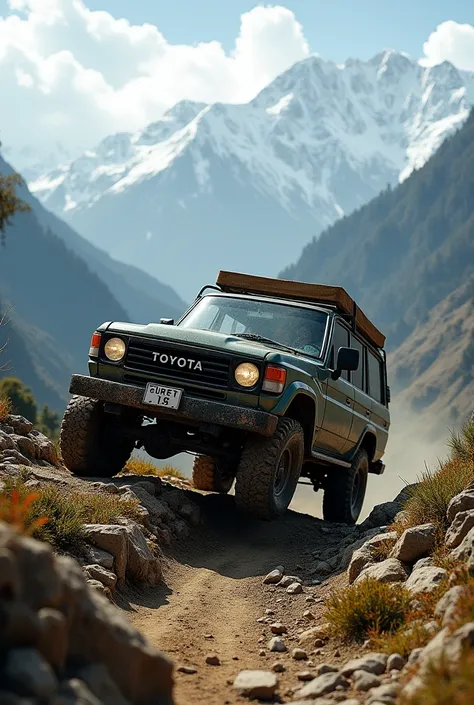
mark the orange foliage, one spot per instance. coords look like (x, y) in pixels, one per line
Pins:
(15, 511)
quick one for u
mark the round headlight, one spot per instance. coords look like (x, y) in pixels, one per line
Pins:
(246, 374)
(114, 349)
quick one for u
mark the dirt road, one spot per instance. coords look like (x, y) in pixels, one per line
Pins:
(213, 596)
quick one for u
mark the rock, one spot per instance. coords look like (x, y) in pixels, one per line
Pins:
(278, 667)
(326, 668)
(386, 693)
(28, 674)
(97, 678)
(384, 514)
(414, 655)
(269, 612)
(460, 503)
(75, 692)
(466, 548)
(15, 458)
(371, 663)
(213, 660)
(20, 425)
(274, 576)
(424, 563)
(321, 568)
(96, 556)
(42, 588)
(45, 448)
(415, 543)
(308, 615)
(9, 576)
(395, 662)
(189, 670)
(20, 625)
(25, 445)
(391, 570)
(256, 684)
(309, 636)
(278, 628)
(446, 608)
(366, 554)
(106, 577)
(447, 647)
(299, 654)
(277, 644)
(425, 579)
(112, 539)
(287, 580)
(305, 676)
(53, 641)
(462, 523)
(100, 587)
(364, 681)
(294, 589)
(322, 685)
(262, 652)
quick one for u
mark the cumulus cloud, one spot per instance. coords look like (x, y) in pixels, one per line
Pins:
(70, 75)
(450, 42)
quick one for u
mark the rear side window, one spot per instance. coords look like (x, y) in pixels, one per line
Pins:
(340, 340)
(358, 377)
(375, 377)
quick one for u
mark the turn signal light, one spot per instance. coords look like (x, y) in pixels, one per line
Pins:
(274, 380)
(95, 345)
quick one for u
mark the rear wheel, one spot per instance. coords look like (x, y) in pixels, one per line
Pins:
(89, 447)
(345, 490)
(212, 475)
(269, 470)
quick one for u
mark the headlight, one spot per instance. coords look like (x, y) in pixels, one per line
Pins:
(114, 349)
(246, 374)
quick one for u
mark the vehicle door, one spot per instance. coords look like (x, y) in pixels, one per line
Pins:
(378, 392)
(337, 420)
(362, 401)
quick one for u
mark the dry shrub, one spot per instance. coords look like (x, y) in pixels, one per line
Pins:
(444, 685)
(5, 408)
(137, 466)
(403, 641)
(367, 608)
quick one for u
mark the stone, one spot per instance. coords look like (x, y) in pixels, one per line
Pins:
(99, 586)
(97, 678)
(460, 503)
(305, 676)
(364, 681)
(299, 654)
(308, 615)
(446, 608)
(45, 448)
(20, 625)
(385, 513)
(424, 563)
(189, 670)
(288, 580)
(309, 636)
(10, 586)
(26, 446)
(106, 577)
(96, 556)
(53, 642)
(323, 685)
(278, 628)
(294, 589)
(256, 684)
(41, 585)
(29, 674)
(20, 425)
(426, 579)
(15, 458)
(278, 667)
(386, 693)
(462, 523)
(112, 539)
(277, 644)
(371, 663)
(395, 662)
(326, 668)
(213, 660)
(391, 570)
(274, 576)
(366, 554)
(414, 655)
(415, 542)
(466, 548)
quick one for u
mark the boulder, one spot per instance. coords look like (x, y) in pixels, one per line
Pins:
(111, 538)
(426, 579)
(460, 503)
(256, 684)
(20, 425)
(27, 673)
(391, 570)
(462, 523)
(446, 608)
(384, 514)
(106, 577)
(374, 663)
(466, 548)
(365, 555)
(322, 685)
(415, 543)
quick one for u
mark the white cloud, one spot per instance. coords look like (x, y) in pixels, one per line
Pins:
(71, 75)
(450, 42)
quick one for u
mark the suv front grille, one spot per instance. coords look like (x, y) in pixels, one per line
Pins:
(182, 364)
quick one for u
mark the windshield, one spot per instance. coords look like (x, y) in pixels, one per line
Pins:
(301, 329)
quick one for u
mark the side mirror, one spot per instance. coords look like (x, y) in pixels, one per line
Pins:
(167, 321)
(347, 359)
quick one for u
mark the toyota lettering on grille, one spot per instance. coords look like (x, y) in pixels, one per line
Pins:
(189, 363)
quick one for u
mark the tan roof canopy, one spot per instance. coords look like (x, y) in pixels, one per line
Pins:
(234, 282)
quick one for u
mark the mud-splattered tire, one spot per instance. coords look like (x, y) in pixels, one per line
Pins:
(269, 470)
(87, 450)
(345, 490)
(211, 475)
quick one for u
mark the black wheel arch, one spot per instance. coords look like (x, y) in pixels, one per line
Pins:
(302, 408)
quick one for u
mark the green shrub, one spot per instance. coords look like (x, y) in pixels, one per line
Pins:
(21, 397)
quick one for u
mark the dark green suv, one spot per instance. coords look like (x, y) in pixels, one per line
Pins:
(264, 380)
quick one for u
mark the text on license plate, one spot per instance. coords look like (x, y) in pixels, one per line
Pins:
(167, 397)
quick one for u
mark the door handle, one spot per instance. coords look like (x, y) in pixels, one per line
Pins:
(367, 412)
(348, 401)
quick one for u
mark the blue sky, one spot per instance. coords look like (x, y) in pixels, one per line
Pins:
(336, 29)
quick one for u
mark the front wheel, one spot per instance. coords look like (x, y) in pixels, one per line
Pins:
(88, 447)
(344, 493)
(212, 475)
(269, 470)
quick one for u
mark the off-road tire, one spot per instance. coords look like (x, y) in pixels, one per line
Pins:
(211, 475)
(257, 491)
(86, 449)
(345, 490)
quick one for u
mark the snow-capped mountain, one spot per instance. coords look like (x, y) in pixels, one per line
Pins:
(244, 187)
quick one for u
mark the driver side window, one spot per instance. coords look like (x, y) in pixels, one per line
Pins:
(340, 339)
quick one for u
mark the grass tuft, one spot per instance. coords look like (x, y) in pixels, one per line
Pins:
(5, 408)
(367, 608)
(403, 641)
(56, 514)
(137, 466)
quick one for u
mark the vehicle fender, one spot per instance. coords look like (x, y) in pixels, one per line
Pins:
(369, 428)
(292, 391)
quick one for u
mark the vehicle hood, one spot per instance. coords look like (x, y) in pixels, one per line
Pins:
(194, 338)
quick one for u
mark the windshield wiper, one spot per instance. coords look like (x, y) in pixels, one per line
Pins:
(263, 339)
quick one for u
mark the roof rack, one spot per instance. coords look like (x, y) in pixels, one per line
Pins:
(234, 282)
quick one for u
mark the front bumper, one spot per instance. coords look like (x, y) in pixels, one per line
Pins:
(191, 409)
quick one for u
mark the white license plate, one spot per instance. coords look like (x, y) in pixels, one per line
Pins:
(168, 397)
